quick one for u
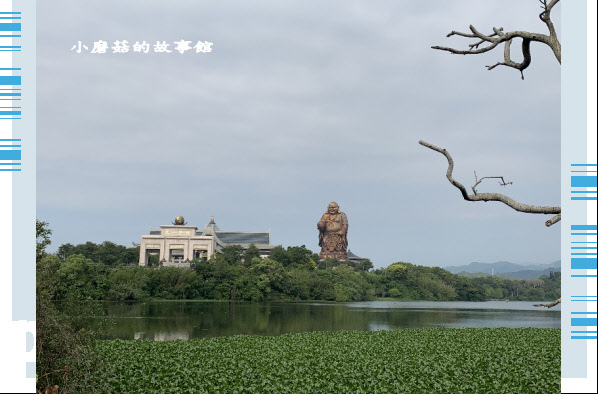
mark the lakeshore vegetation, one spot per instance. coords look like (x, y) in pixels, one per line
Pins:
(109, 272)
(448, 360)
(71, 283)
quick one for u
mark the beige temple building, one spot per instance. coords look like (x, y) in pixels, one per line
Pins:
(177, 244)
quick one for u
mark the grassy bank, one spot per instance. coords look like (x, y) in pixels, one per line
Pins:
(416, 360)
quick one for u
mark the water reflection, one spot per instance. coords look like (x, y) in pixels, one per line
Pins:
(189, 320)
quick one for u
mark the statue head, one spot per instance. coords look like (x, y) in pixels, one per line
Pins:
(333, 208)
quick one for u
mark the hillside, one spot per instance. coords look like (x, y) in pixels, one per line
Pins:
(505, 268)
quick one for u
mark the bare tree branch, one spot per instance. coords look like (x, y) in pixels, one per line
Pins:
(553, 220)
(545, 17)
(494, 196)
(549, 305)
(504, 183)
(500, 37)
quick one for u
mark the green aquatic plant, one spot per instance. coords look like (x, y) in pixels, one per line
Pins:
(464, 360)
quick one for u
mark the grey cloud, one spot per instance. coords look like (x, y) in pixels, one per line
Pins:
(297, 105)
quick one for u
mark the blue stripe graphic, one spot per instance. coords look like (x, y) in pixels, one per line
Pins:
(583, 321)
(10, 155)
(584, 227)
(10, 80)
(10, 27)
(583, 181)
(583, 264)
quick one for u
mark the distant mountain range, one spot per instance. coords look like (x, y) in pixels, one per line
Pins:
(505, 268)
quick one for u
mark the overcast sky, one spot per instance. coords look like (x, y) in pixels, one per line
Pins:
(299, 103)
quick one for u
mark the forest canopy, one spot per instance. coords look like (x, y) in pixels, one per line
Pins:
(109, 272)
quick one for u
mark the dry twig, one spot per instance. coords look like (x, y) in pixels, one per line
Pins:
(494, 196)
(477, 182)
(499, 37)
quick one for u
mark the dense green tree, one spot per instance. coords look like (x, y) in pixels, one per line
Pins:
(232, 254)
(271, 274)
(297, 284)
(129, 284)
(322, 286)
(173, 283)
(107, 253)
(300, 257)
(42, 235)
(294, 273)
(80, 277)
(278, 253)
(64, 362)
(364, 265)
(251, 253)
(328, 264)
(65, 250)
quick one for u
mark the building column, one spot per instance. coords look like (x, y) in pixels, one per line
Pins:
(142, 255)
(187, 250)
(164, 250)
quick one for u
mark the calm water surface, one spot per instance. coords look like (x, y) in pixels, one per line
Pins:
(189, 320)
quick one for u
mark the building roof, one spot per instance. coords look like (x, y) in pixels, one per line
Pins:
(353, 256)
(211, 227)
(242, 237)
(224, 238)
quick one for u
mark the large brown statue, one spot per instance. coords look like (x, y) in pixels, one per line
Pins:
(333, 233)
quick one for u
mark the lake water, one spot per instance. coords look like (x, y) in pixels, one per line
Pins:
(189, 320)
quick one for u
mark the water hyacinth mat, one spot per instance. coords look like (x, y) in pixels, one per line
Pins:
(455, 360)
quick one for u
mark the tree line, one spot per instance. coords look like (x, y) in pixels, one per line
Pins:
(110, 272)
